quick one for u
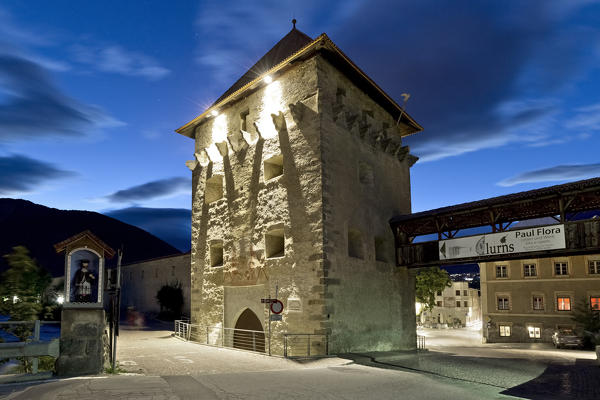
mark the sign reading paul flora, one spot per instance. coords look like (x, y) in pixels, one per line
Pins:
(509, 242)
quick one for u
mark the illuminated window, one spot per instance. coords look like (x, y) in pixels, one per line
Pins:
(504, 330)
(534, 332)
(503, 303)
(561, 268)
(595, 303)
(563, 303)
(538, 302)
(529, 270)
(594, 267)
(501, 271)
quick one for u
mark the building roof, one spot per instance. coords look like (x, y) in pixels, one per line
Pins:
(293, 47)
(87, 233)
(576, 197)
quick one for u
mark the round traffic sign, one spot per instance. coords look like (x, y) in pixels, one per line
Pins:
(276, 306)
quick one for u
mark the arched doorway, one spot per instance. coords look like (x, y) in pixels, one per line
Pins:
(249, 334)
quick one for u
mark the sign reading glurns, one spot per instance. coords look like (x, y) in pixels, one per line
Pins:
(509, 242)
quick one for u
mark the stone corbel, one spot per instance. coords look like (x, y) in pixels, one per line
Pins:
(402, 153)
(279, 122)
(237, 141)
(222, 147)
(191, 164)
(411, 160)
(203, 158)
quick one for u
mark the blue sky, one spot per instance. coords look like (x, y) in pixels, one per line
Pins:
(90, 92)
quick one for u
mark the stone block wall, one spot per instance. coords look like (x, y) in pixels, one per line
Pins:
(82, 342)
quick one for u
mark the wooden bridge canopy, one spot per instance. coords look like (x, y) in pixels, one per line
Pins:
(562, 202)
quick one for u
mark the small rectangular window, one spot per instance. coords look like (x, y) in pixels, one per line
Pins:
(458, 292)
(529, 270)
(501, 271)
(439, 292)
(504, 330)
(244, 120)
(595, 303)
(275, 243)
(355, 246)
(458, 304)
(381, 249)
(465, 292)
(538, 302)
(216, 254)
(465, 304)
(563, 303)
(273, 167)
(561, 268)
(439, 303)
(534, 332)
(503, 303)
(594, 267)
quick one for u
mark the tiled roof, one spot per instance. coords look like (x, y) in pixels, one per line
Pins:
(291, 43)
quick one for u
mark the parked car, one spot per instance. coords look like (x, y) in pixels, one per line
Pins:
(566, 338)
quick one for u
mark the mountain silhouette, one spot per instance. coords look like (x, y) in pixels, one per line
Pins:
(23, 223)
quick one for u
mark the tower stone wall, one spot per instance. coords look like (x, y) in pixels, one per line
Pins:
(293, 188)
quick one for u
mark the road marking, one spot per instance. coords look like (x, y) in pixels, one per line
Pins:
(183, 360)
(128, 362)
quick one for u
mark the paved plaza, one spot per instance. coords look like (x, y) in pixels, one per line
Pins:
(456, 365)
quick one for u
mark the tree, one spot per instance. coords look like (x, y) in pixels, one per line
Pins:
(428, 282)
(22, 286)
(589, 319)
(170, 298)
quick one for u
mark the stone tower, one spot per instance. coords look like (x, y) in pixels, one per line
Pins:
(298, 168)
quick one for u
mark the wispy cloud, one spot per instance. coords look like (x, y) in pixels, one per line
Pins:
(586, 118)
(152, 190)
(21, 174)
(115, 59)
(554, 174)
(34, 107)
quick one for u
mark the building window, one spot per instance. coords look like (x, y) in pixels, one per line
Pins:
(381, 249)
(458, 292)
(504, 330)
(501, 271)
(595, 303)
(439, 292)
(355, 247)
(172, 270)
(561, 268)
(594, 267)
(529, 270)
(538, 302)
(458, 304)
(244, 120)
(275, 243)
(273, 167)
(563, 303)
(503, 303)
(465, 292)
(439, 303)
(465, 304)
(534, 332)
(214, 189)
(216, 254)
(365, 174)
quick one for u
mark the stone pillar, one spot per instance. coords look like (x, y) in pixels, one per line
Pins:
(81, 342)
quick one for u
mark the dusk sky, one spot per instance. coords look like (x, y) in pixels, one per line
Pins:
(508, 92)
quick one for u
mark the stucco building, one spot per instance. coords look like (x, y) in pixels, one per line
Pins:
(298, 168)
(528, 300)
(140, 282)
(457, 305)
